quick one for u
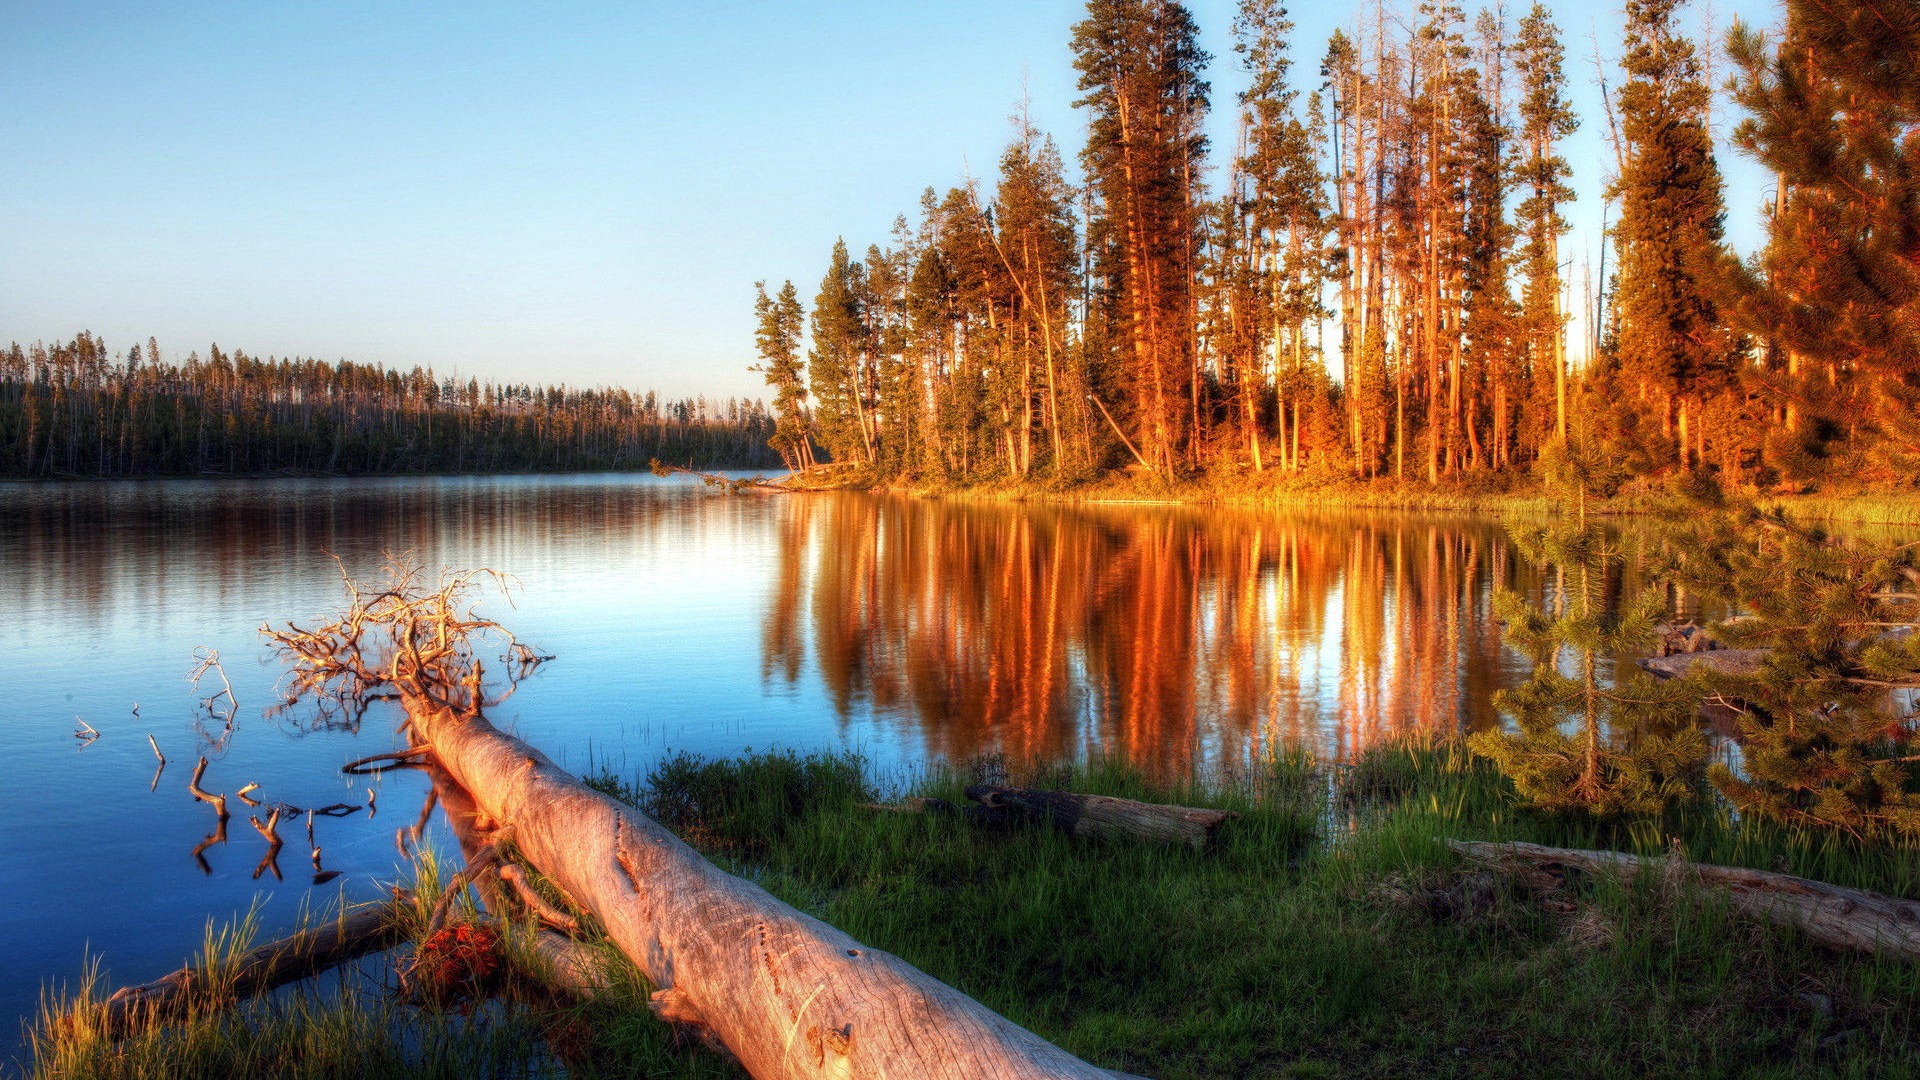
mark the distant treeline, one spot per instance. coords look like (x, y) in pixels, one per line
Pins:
(1372, 284)
(77, 409)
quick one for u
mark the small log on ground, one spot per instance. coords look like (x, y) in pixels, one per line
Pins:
(1104, 815)
(787, 995)
(1726, 661)
(1833, 914)
(367, 930)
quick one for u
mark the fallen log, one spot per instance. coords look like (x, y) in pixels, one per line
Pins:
(266, 967)
(789, 996)
(1104, 815)
(1833, 914)
(1725, 661)
(786, 994)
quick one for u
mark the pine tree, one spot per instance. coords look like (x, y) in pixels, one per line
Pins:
(1633, 747)
(838, 364)
(778, 340)
(1673, 346)
(1279, 208)
(1822, 741)
(1039, 249)
(1140, 67)
(1832, 111)
(1546, 118)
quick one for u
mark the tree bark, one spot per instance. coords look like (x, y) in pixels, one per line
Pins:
(1832, 914)
(1102, 815)
(786, 994)
(308, 952)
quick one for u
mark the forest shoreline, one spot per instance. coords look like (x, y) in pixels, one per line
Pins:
(1865, 506)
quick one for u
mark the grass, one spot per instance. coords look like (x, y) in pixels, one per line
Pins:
(353, 1023)
(1323, 490)
(1328, 932)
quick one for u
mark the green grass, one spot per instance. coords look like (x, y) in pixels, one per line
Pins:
(1328, 932)
(1322, 490)
(352, 1023)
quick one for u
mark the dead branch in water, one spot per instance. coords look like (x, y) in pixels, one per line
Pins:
(730, 485)
(353, 935)
(219, 802)
(410, 758)
(403, 638)
(218, 836)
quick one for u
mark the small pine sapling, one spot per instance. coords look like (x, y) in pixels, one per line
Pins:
(1605, 746)
(1826, 716)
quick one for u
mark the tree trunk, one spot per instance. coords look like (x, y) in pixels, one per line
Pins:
(786, 994)
(308, 952)
(1832, 914)
(1102, 815)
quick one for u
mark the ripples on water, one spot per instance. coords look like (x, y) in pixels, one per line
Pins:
(1181, 639)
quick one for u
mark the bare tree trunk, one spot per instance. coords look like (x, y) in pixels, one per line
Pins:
(1839, 916)
(786, 994)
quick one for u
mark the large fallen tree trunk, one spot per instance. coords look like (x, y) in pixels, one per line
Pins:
(785, 993)
(1833, 914)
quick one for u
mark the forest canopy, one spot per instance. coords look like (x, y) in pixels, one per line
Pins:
(76, 409)
(1374, 284)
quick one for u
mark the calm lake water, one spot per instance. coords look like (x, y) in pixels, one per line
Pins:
(1182, 639)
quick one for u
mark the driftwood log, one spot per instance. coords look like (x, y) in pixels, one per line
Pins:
(1831, 914)
(786, 994)
(263, 968)
(1725, 661)
(1104, 815)
(1079, 815)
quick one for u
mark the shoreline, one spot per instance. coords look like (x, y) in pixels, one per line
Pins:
(1868, 506)
(1863, 507)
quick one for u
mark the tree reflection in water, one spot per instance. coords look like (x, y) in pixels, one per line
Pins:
(1177, 638)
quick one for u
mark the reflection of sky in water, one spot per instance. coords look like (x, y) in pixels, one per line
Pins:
(1184, 639)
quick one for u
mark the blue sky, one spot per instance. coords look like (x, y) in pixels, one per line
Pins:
(576, 192)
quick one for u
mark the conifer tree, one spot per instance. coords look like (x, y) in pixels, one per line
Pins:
(1140, 65)
(778, 339)
(1039, 248)
(1823, 741)
(1546, 118)
(1625, 746)
(1673, 347)
(837, 365)
(1832, 110)
(1280, 207)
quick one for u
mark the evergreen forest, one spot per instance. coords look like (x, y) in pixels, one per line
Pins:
(1370, 283)
(75, 409)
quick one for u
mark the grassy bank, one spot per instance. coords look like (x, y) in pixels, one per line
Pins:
(1328, 933)
(1315, 491)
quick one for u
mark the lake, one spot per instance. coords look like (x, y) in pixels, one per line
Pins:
(1182, 639)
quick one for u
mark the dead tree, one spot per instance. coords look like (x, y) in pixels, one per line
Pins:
(1832, 914)
(784, 993)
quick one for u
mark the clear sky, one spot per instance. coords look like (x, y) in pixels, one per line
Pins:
(537, 192)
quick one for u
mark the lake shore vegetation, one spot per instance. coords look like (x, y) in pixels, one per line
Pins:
(1328, 931)
(1371, 304)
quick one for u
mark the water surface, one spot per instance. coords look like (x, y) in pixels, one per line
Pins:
(1186, 640)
